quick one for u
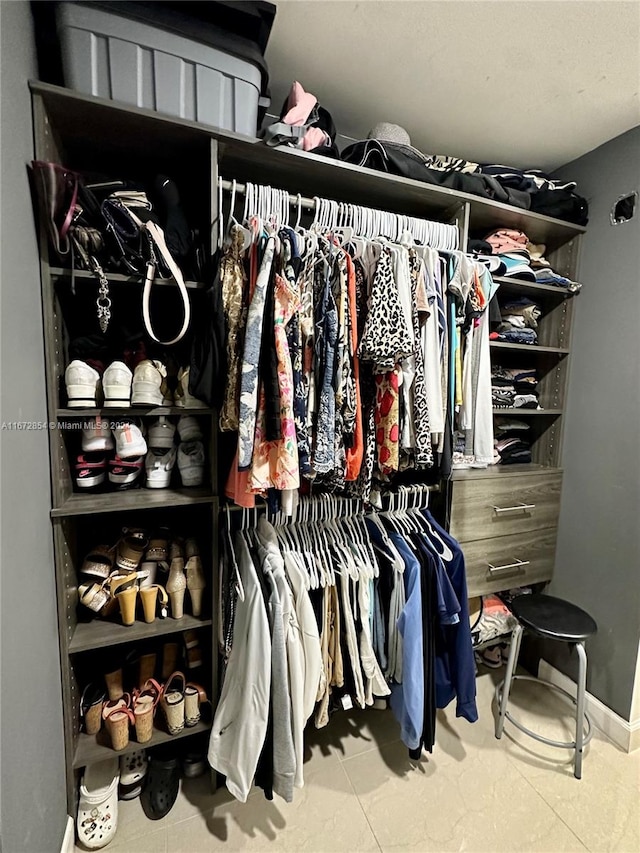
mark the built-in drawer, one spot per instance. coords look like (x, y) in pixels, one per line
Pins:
(496, 507)
(503, 562)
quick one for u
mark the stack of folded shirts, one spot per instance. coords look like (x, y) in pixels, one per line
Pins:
(510, 246)
(514, 388)
(519, 322)
(513, 450)
(512, 445)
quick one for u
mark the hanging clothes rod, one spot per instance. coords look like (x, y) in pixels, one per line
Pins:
(294, 200)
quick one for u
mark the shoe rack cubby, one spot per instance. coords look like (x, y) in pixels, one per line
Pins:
(136, 147)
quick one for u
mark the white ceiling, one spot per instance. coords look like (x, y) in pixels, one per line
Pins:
(523, 82)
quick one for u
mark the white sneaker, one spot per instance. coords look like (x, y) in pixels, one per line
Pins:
(191, 463)
(82, 385)
(189, 428)
(159, 465)
(183, 398)
(161, 433)
(116, 384)
(97, 819)
(129, 441)
(97, 436)
(150, 385)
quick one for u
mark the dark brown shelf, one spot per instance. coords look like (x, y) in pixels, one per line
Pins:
(517, 284)
(527, 412)
(531, 348)
(133, 411)
(97, 634)
(135, 499)
(119, 278)
(502, 471)
(91, 749)
(85, 117)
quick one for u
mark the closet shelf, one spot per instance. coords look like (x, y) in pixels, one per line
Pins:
(98, 634)
(135, 499)
(512, 410)
(91, 749)
(500, 471)
(530, 348)
(520, 285)
(246, 158)
(134, 411)
(119, 278)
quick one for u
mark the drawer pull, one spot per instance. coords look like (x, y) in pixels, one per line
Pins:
(494, 570)
(514, 508)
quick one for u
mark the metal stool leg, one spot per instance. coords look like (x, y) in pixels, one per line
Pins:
(582, 686)
(516, 638)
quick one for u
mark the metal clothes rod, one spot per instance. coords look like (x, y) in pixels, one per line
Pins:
(306, 203)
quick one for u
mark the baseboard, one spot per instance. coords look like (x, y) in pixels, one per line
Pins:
(623, 733)
(68, 841)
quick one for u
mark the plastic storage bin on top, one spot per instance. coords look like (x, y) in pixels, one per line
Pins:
(114, 57)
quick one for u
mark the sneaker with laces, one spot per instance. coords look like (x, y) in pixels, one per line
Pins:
(183, 398)
(189, 428)
(129, 441)
(116, 384)
(191, 463)
(97, 436)
(159, 464)
(161, 433)
(81, 381)
(150, 385)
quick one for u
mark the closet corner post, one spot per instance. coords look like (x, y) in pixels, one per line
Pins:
(214, 153)
(459, 214)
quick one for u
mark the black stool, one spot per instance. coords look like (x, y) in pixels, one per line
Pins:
(553, 619)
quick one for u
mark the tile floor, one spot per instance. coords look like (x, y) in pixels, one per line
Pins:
(362, 793)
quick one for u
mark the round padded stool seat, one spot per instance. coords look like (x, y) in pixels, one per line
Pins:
(553, 618)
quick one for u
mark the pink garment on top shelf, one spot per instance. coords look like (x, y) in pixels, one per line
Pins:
(300, 105)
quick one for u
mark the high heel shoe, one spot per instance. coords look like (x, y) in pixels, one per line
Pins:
(150, 596)
(146, 668)
(113, 681)
(177, 583)
(194, 695)
(172, 702)
(118, 716)
(195, 576)
(170, 653)
(91, 701)
(145, 702)
(127, 599)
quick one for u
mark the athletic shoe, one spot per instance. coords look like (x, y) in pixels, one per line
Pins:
(90, 470)
(97, 436)
(159, 464)
(183, 398)
(129, 441)
(191, 463)
(150, 385)
(161, 433)
(125, 473)
(81, 381)
(189, 428)
(116, 384)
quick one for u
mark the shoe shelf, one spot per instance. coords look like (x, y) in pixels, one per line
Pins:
(119, 278)
(78, 504)
(133, 411)
(530, 348)
(100, 634)
(93, 748)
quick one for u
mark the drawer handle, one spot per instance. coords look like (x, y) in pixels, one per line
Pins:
(514, 508)
(494, 570)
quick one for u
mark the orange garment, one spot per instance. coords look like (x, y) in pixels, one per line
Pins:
(355, 454)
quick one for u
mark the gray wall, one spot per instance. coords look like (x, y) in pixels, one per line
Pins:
(598, 558)
(33, 802)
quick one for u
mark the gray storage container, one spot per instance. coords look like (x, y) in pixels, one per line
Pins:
(114, 57)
